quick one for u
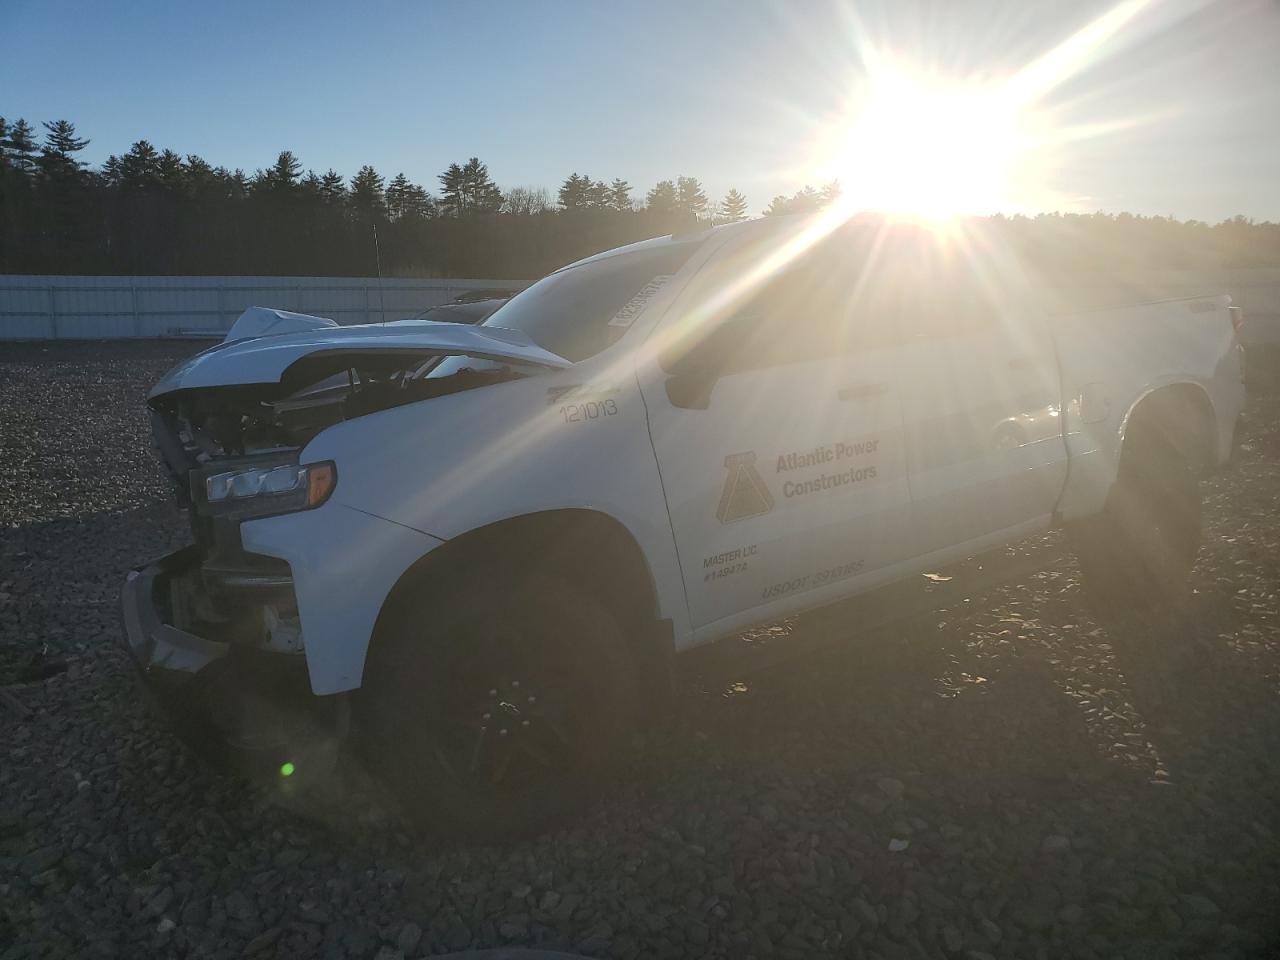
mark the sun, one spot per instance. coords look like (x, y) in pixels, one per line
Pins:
(914, 142)
(932, 149)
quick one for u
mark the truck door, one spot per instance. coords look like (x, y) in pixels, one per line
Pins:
(775, 417)
(985, 450)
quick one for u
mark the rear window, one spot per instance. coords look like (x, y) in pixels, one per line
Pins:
(578, 312)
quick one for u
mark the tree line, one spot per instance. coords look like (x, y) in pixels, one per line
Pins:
(155, 211)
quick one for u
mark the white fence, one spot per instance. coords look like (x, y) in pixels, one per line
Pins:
(53, 307)
(64, 308)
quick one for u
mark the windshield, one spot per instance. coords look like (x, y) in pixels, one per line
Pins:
(576, 313)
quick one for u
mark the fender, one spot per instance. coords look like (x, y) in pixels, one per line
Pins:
(344, 564)
(560, 440)
(1114, 360)
(1095, 445)
(1167, 383)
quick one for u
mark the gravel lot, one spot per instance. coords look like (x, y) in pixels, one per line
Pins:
(1015, 781)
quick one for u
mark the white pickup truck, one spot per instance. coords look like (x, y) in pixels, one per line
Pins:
(473, 553)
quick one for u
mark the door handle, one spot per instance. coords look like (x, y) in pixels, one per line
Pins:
(863, 391)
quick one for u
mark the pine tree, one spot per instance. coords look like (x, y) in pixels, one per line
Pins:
(662, 198)
(237, 183)
(138, 167)
(309, 186)
(200, 176)
(573, 192)
(620, 195)
(398, 196)
(61, 139)
(468, 189)
(66, 225)
(778, 207)
(333, 189)
(733, 207)
(282, 177)
(418, 204)
(484, 195)
(57, 157)
(452, 190)
(367, 194)
(111, 171)
(170, 171)
(21, 147)
(806, 200)
(598, 195)
(689, 196)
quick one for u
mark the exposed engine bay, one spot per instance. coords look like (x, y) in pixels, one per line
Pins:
(196, 426)
(206, 433)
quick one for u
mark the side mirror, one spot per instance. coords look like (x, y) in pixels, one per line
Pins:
(694, 368)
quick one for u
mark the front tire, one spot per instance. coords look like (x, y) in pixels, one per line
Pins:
(490, 711)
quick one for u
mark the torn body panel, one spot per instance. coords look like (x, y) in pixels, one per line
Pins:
(268, 321)
(265, 360)
(235, 661)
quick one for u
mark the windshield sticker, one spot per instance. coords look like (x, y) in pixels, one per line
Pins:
(632, 308)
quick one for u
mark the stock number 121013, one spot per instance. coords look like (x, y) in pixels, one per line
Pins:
(588, 410)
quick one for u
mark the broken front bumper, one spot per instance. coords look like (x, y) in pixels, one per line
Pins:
(235, 703)
(165, 655)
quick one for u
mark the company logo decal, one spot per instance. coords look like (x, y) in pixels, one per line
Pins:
(744, 494)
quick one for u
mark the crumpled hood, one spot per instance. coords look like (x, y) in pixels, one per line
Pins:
(263, 360)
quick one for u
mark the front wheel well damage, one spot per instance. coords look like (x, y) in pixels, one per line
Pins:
(590, 550)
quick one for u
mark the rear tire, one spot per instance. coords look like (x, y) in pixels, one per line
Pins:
(1137, 554)
(490, 712)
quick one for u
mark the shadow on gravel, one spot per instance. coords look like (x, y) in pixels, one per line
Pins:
(900, 700)
(60, 579)
(918, 692)
(1192, 687)
(1099, 775)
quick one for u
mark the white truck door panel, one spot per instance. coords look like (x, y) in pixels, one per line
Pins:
(981, 392)
(983, 425)
(790, 486)
(792, 479)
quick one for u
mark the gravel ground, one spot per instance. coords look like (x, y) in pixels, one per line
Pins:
(1016, 780)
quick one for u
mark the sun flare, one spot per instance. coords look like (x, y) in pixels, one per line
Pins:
(916, 143)
(932, 150)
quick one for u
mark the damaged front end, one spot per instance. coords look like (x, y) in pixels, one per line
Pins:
(215, 629)
(242, 704)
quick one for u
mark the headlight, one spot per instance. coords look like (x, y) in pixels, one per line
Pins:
(270, 488)
(238, 484)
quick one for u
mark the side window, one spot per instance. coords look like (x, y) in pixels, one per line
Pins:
(810, 311)
(954, 303)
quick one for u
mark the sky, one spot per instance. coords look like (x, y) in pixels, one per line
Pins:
(1170, 107)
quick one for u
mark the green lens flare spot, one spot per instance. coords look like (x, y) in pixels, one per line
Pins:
(286, 769)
